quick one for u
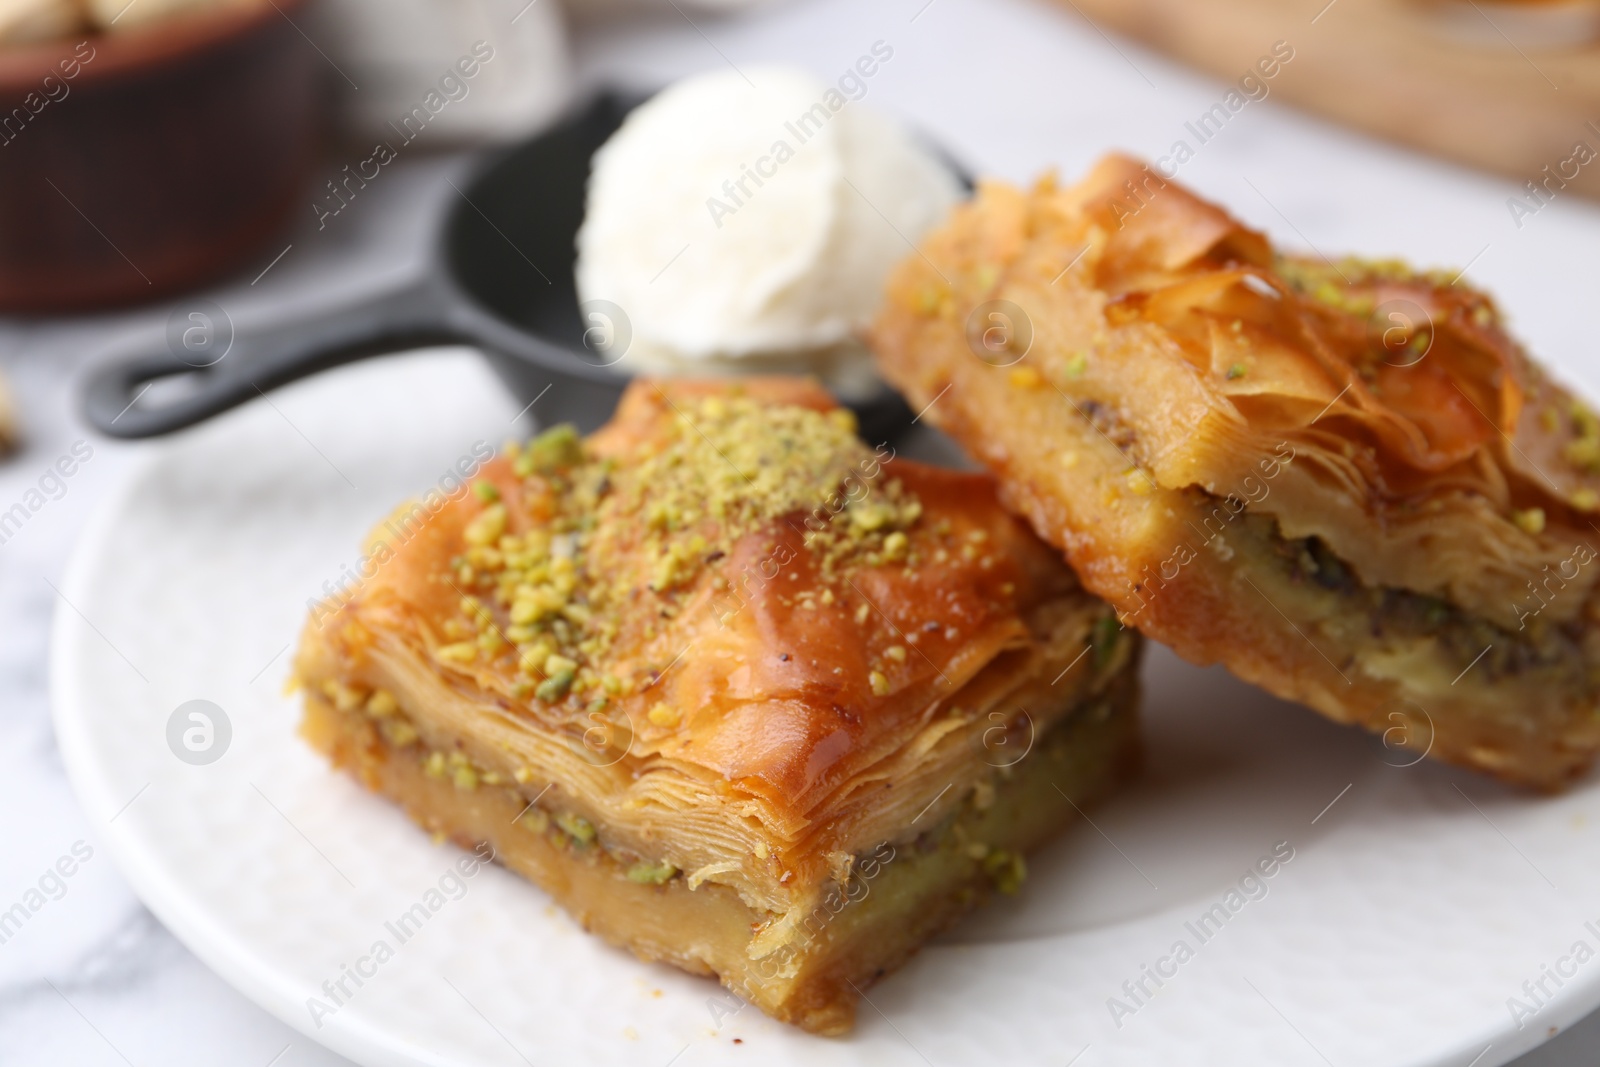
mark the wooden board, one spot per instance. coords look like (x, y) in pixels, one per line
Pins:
(1447, 76)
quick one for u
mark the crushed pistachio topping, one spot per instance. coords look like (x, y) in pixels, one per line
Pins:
(1006, 869)
(1103, 638)
(380, 706)
(565, 829)
(1349, 284)
(398, 732)
(579, 829)
(458, 770)
(343, 697)
(552, 574)
(555, 449)
(1327, 284)
(1337, 283)
(651, 873)
(488, 527)
(1529, 520)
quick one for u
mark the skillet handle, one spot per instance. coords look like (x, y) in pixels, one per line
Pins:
(410, 316)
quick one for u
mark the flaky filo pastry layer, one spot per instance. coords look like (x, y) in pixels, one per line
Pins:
(1186, 412)
(722, 635)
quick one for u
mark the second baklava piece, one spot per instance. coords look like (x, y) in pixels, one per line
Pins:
(1344, 480)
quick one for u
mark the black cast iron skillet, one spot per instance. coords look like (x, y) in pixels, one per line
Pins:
(500, 278)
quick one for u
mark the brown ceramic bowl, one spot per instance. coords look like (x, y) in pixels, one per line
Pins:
(136, 164)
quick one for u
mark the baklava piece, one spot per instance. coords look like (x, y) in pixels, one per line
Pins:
(1344, 480)
(741, 693)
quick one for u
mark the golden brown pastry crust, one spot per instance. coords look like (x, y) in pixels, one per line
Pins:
(1363, 443)
(728, 646)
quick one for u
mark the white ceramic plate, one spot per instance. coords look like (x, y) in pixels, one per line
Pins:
(1417, 901)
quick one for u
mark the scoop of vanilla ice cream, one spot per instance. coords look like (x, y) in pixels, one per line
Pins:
(752, 219)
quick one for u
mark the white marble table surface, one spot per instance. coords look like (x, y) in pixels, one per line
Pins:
(1012, 87)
